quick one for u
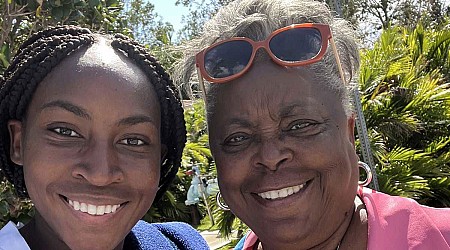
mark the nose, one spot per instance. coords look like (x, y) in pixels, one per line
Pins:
(273, 153)
(99, 165)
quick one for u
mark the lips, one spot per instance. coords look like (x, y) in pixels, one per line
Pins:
(283, 192)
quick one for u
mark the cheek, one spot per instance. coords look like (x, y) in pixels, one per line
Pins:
(226, 178)
(232, 175)
(231, 169)
(42, 167)
(143, 173)
(323, 151)
(337, 165)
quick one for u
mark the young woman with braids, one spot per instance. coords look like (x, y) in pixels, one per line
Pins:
(92, 131)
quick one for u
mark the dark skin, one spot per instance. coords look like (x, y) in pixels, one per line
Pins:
(91, 135)
(276, 129)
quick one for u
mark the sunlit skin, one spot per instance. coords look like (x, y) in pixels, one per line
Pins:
(277, 127)
(91, 134)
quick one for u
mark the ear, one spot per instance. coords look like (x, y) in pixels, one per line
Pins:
(15, 147)
(351, 129)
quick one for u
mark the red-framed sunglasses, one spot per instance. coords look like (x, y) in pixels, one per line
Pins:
(291, 46)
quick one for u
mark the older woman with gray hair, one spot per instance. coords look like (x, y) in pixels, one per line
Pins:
(281, 130)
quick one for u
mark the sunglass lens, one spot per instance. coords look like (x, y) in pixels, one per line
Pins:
(296, 45)
(228, 58)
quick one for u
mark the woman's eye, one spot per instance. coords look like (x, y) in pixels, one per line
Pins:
(300, 125)
(66, 132)
(304, 127)
(235, 139)
(133, 142)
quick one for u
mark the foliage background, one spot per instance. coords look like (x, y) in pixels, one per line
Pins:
(404, 85)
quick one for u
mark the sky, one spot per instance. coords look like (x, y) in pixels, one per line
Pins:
(170, 13)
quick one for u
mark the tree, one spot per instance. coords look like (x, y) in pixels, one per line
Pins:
(405, 12)
(145, 24)
(200, 12)
(20, 18)
(172, 205)
(405, 88)
(368, 16)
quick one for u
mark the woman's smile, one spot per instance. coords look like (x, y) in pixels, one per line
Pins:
(103, 212)
(285, 201)
(95, 206)
(282, 193)
(93, 209)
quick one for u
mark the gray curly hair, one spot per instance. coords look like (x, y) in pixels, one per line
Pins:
(257, 19)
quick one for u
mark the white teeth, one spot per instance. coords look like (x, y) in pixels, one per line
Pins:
(281, 193)
(76, 205)
(114, 208)
(83, 207)
(93, 209)
(100, 210)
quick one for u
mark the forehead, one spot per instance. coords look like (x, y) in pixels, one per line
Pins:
(98, 74)
(102, 55)
(272, 86)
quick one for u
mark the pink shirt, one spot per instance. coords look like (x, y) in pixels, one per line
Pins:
(398, 223)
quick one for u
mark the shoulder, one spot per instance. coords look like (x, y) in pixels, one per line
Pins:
(10, 238)
(240, 244)
(247, 242)
(170, 235)
(405, 222)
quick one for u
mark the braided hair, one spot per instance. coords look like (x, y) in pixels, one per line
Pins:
(42, 52)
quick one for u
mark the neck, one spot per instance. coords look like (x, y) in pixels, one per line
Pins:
(39, 235)
(351, 233)
(356, 235)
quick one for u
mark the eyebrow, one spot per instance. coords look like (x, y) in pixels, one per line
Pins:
(287, 110)
(133, 120)
(76, 110)
(240, 122)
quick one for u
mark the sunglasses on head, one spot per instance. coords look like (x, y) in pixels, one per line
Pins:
(291, 46)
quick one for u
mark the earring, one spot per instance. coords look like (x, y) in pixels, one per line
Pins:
(366, 168)
(220, 203)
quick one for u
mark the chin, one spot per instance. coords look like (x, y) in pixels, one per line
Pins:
(283, 231)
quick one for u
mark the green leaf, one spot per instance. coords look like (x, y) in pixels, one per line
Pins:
(19, 2)
(94, 3)
(56, 3)
(38, 11)
(112, 3)
(4, 208)
(67, 10)
(4, 61)
(58, 13)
